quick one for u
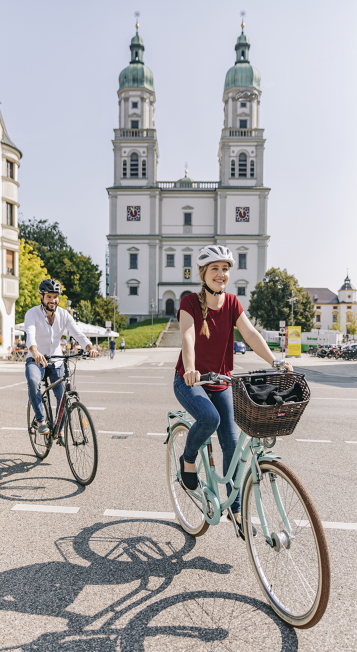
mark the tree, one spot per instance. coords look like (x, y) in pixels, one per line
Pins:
(269, 302)
(31, 271)
(103, 309)
(352, 323)
(76, 272)
(85, 312)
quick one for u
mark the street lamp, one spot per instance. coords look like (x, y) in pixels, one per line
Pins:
(115, 299)
(292, 301)
(152, 305)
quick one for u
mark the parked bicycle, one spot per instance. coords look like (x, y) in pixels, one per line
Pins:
(80, 436)
(287, 546)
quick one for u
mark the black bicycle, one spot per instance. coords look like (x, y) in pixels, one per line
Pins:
(80, 436)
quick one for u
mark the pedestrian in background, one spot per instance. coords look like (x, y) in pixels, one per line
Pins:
(122, 344)
(112, 347)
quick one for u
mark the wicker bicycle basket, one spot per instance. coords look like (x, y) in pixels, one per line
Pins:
(269, 420)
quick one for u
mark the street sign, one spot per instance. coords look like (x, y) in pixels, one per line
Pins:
(282, 330)
(108, 324)
(282, 324)
(109, 330)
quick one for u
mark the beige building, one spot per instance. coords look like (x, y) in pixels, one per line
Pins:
(331, 308)
(9, 249)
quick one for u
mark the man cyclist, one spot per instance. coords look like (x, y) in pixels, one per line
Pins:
(44, 327)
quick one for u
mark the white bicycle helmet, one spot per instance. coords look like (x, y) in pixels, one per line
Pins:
(213, 254)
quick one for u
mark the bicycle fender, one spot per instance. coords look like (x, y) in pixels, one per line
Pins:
(268, 457)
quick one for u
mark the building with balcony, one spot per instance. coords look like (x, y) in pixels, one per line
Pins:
(333, 309)
(157, 228)
(9, 249)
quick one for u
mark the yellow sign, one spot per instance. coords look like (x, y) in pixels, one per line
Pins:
(187, 273)
(294, 340)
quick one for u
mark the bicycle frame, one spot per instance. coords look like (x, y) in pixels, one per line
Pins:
(209, 492)
(55, 425)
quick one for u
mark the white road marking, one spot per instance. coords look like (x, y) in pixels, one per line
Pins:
(94, 408)
(51, 509)
(237, 367)
(114, 432)
(100, 391)
(13, 428)
(316, 441)
(126, 383)
(142, 377)
(332, 398)
(132, 514)
(333, 525)
(160, 364)
(346, 442)
(157, 434)
(14, 385)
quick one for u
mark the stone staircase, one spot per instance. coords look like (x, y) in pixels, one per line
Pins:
(172, 336)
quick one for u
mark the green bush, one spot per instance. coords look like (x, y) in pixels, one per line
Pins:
(137, 335)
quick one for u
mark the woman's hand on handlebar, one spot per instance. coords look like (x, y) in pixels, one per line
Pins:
(288, 366)
(191, 377)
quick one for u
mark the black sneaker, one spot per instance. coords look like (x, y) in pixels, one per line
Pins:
(189, 480)
(255, 532)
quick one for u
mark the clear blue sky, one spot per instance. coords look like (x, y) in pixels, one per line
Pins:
(58, 85)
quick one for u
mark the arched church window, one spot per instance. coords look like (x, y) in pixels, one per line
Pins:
(136, 56)
(125, 168)
(252, 169)
(242, 165)
(143, 169)
(242, 54)
(134, 165)
(233, 168)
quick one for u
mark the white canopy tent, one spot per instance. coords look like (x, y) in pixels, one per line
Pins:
(89, 330)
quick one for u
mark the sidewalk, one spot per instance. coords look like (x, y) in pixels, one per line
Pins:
(130, 358)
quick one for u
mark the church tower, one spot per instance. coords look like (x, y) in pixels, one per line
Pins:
(241, 148)
(135, 144)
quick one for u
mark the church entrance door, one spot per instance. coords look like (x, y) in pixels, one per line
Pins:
(170, 308)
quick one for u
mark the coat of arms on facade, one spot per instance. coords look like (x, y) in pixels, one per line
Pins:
(133, 213)
(242, 214)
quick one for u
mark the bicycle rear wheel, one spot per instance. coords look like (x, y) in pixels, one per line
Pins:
(187, 508)
(81, 444)
(295, 574)
(41, 444)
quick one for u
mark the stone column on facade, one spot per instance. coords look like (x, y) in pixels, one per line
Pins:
(260, 155)
(262, 260)
(229, 112)
(153, 247)
(222, 213)
(151, 163)
(153, 211)
(234, 114)
(113, 266)
(126, 113)
(262, 213)
(215, 214)
(113, 217)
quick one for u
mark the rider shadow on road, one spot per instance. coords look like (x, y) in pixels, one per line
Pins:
(109, 572)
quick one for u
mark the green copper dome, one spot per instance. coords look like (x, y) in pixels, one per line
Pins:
(136, 75)
(242, 73)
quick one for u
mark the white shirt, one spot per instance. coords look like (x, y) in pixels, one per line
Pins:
(47, 338)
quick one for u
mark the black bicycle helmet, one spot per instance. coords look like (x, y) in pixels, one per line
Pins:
(49, 285)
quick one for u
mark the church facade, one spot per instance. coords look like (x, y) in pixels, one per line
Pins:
(157, 228)
(9, 250)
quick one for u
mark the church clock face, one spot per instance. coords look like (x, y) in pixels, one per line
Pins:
(242, 214)
(133, 213)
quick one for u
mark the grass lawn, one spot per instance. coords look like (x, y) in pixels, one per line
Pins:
(137, 335)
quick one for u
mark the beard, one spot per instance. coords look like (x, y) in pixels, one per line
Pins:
(45, 305)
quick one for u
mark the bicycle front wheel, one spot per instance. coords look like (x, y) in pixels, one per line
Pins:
(41, 444)
(188, 509)
(294, 574)
(81, 444)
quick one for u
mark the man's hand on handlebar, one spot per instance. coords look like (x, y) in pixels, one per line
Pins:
(191, 377)
(38, 357)
(92, 351)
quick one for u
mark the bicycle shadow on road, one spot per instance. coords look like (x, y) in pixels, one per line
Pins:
(28, 488)
(109, 572)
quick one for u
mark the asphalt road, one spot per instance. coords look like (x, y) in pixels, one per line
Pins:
(86, 581)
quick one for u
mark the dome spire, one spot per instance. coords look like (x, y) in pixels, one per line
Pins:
(137, 15)
(242, 13)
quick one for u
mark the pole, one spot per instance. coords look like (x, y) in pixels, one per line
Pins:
(115, 287)
(152, 322)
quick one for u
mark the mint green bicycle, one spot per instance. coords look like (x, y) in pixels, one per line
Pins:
(289, 552)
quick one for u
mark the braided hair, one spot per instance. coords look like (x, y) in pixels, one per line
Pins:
(202, 297)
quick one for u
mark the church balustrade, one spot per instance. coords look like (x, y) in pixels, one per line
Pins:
(134, 133)
(194, 185)
(242, 133)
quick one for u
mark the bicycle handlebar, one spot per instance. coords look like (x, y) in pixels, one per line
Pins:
(214, 379)
(81, 354)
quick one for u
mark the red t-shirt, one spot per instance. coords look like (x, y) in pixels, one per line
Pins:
(216, 353)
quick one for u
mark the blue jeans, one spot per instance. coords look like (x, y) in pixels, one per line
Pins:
(34, 377)
(111, 354)
(211, 414)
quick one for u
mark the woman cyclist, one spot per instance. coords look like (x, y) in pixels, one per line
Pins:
(207, 322)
